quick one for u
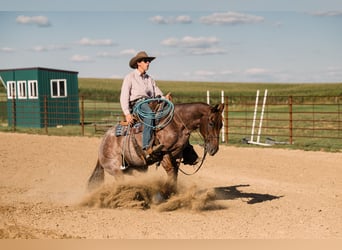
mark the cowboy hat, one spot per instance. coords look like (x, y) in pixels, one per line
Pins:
(141, 55)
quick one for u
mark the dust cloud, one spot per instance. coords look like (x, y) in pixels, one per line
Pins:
(145, 194)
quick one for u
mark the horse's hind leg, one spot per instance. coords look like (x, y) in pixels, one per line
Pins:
(97, 177)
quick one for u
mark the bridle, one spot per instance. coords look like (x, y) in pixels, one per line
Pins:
(205, 139)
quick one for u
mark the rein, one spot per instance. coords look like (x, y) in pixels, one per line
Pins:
(199, 167)
(204, 153)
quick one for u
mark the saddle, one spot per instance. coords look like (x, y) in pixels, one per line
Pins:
(122, 129)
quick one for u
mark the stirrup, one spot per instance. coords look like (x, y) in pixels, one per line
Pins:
(123, 167)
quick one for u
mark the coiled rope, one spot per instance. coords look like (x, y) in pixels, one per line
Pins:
(162, 116)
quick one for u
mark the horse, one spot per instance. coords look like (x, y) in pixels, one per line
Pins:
(117, 151)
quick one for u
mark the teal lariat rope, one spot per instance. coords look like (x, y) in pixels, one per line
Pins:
(166, 112)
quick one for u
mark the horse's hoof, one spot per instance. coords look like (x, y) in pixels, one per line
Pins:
(158, 198)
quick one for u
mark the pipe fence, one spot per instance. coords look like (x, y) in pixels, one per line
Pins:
(290, 120)
(286, 119)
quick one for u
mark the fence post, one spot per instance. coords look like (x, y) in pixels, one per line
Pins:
(226, 118)
(339, 116)
(223, 133)
(45, 115)
(290, 120)
(14, 113)
(208, 97)
(82, 114)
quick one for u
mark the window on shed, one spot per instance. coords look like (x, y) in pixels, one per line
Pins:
(62, 89)
(58, 88)
(11, 90)
(33, 89)
(22, 93)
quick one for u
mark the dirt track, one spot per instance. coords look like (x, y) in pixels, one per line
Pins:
(239, 193)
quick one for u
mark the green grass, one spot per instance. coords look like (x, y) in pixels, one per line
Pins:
(109, 89)
(102, 105)
(187, 90)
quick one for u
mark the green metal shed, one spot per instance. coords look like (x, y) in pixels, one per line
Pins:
(39, 97)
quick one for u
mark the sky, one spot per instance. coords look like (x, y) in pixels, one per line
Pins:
(275, 41)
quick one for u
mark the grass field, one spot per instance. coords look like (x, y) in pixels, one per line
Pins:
(111, 87)
(98, 88)
(317, 109)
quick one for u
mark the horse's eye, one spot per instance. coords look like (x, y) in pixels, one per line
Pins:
(211, 124)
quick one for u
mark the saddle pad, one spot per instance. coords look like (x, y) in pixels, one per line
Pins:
(122, 130)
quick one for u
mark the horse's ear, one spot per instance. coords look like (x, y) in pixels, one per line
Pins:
(221, 107)
(218, 108)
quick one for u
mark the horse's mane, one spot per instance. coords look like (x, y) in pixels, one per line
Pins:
(192, 110)
(183, 106)
(192, 103)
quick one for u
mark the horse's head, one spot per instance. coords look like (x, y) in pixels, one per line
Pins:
(210, 127)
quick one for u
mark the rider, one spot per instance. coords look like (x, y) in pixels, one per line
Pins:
(138, 86)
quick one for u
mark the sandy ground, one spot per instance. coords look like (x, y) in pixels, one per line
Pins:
(240, 193)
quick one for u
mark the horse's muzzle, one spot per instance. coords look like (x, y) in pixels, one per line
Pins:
(212, 150)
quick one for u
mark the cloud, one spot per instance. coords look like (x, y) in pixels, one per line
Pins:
(206, 51)
(195, 45)
(159, 20)
(334, 73)
(7, 50)
(212, 73)
(126, 52)
(327, 13)
(171, 20)
(191, 42)
(256, 71)
(116, 76)
(230, 18)
(41, 21)
(80, 58)
(106, 54)
(226, 72)
(262, 74)
(183, 19)
(40, 48)
(129, 52)
(99, 42)
(204, 74)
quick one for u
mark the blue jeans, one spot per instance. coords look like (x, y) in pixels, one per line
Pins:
(148, 123)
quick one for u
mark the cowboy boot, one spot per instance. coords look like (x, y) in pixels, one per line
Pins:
(151, 150)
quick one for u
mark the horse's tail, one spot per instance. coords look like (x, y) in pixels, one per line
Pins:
(97, 177)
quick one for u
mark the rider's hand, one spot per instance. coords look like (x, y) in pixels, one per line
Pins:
(129, 118)
(168, 96)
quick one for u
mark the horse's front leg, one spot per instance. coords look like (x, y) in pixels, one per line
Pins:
(171, 167)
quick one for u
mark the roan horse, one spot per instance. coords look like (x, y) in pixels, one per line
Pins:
(116, 151)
